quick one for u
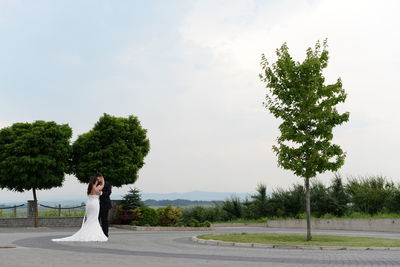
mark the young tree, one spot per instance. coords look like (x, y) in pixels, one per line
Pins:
(34, 156)
(306, 107)
(132, 199)
(260, 201)
(115, 146)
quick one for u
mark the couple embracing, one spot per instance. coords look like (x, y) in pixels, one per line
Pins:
(98, 205)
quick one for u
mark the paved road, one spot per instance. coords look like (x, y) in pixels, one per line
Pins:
(131, 248)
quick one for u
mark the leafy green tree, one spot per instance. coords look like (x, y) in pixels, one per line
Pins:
(132, 199)
(34, 156)
(260, 201)
(306, 107)
(233, 207)
(115, 146)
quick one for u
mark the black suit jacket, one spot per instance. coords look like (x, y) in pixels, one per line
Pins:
(105, 202)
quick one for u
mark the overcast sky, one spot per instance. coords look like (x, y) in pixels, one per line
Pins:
(189, 71)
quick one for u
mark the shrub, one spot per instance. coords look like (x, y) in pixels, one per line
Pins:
(179, 224)
(289, 203)
(193, 223)
(199, 213)
(369, 195)
(116, 216)
(205, 224)
(233, 206)
(169, 215)
(145, 216)
(213, 214)
(123, 216)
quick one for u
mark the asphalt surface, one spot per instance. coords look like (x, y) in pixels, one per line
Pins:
(33, 247)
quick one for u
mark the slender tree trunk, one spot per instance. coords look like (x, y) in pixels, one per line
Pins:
(35, 208)
(308, 208)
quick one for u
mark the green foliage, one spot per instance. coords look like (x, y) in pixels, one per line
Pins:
(306, 107)
(249, 210)
(193, 223)
(288, 203)
(297, 95)
(145, 216)
(169, 215)
(34, 155)
(205, 224)
(202, 214)
(132, 199)
(64, 213)
(369, 195)
(115, 146)
(320, 199)
(296, 239)
(179, 224)
(260, 201)
(392, 203)
(233, 207)
(339, 198)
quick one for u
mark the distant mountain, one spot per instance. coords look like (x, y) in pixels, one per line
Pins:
(194, 195)
(180, 202)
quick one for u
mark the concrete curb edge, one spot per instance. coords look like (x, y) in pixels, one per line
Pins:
(269, 246)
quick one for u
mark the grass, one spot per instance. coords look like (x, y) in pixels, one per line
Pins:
(64, 213)
(43, 212)
(262, 220)
(295, 239)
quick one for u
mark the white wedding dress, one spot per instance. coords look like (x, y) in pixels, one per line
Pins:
(91, 229)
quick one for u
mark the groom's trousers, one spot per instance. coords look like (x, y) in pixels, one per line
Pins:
(103, 218)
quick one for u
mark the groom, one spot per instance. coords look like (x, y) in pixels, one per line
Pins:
(105, 206)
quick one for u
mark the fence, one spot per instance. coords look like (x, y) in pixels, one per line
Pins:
(14, 210)
(59, 209)
(57, 219)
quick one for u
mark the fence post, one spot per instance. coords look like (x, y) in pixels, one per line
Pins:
(15, 211)
(59, 210)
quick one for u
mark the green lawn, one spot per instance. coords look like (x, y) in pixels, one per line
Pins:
(295, 239)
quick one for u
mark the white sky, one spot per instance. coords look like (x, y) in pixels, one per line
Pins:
(189, 71)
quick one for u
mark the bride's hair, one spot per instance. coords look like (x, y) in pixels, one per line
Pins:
(92, 181)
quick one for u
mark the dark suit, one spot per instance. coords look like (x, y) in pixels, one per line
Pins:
(105, 206)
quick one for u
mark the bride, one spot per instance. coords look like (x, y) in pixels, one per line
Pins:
(91, 229)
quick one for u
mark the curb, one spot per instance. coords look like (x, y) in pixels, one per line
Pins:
(269, 246)
(162, 228)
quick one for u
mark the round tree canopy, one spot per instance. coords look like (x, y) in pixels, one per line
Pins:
(115, 146)
(34, 155)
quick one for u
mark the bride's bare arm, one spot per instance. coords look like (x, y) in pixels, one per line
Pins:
(101, 185)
